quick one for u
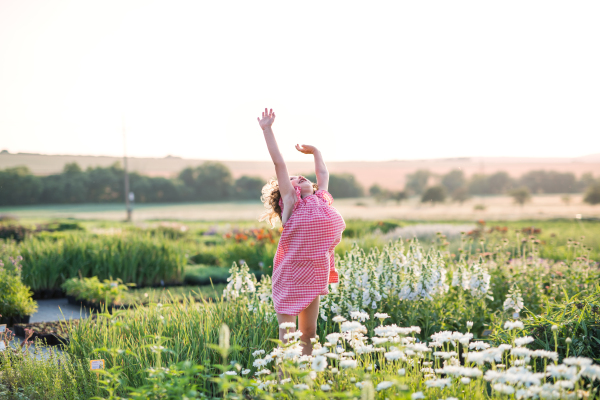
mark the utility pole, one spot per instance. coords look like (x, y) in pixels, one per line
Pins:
(127, 194)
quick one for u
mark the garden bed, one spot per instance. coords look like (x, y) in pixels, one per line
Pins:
(50, 333)
(147, 296)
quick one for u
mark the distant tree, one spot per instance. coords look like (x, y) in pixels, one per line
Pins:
(417, 181)
(453, 180)
(478, 185)
(210, 181)
(585, 181)
(520, 195)
(550, 182)
(398, 196)
(341, 186)
(375, 189)
(434, 194)
(461, 194)
(248, 187)
(19, 187)
(498, 183)
(592, 194)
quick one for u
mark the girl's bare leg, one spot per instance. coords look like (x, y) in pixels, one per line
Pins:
(281, 318)
(307, 323)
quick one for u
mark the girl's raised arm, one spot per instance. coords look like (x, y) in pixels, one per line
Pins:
(320, 167)
(288, 194)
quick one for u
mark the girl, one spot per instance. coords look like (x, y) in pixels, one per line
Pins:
(304, 262)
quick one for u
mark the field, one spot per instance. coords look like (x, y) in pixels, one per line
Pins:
(495, 208)
(437, 309)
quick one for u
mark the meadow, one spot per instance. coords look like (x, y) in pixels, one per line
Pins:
(424, 309)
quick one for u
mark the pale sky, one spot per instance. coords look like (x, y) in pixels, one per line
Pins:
(369, 80)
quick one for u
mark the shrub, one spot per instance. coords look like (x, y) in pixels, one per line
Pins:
(520, 195)
(434, 194)
(15, 297)
(592, 194)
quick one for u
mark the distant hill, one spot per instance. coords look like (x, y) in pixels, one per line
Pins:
(389, 174)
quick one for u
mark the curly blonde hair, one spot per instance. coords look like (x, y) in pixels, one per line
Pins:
(270, 198)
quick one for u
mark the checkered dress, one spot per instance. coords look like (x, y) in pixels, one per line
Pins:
(304, 262)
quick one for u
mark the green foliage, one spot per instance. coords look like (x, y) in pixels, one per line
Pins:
(453, 180)
(592, 194)
(202, 275)
(496, 183)
(417, 181)
(520, 195)
(248, 187)
(15, 297)
(19, 186)
(434, 194)
(210, 181)
(55, 376)
(341, 185)
(550, 182)
(108, 292)
(141, 258)
(461, 194)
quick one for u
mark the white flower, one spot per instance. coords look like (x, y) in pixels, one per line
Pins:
(333, 337)
(417, 395)
(479, 346)
(545, 354)
(402, 372)
(325, 388)
(592, 372)
(469, 324)
(301, 386)
(377, 340)
(394, 355)
(345, 364)
(381, 315)
(514, 325)
(258, 353)
(293, 335)
(245, 372)
(287, 325)
(523, 340)
(359, 384)
(579, 361)
(362, 316)
(263, 372)
(465, 380)
(438, 383)
(504, 389)
(384, 385)
(230, 373)
(350, 326)
(259, 363)
(320, 352)
(319, 363)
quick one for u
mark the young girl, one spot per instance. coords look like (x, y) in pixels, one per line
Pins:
(304, 262)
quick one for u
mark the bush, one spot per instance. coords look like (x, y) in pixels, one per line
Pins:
(592, 194)
(434, 194)
(15, 297)
(141, 258)
(200, 275)
(341, 186)
(520, 195)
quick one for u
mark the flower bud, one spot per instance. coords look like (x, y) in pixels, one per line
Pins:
(568, 340)
(554, 328)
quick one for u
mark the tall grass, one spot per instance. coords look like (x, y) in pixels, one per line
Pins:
(186, 328)
(140, 258)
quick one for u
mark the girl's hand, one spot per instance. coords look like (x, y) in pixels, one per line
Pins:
(268, 117)
(307, 149)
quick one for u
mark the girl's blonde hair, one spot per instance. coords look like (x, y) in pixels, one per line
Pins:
(270, 198)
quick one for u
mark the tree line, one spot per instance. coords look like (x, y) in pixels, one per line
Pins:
(211, 181)
(459, 188)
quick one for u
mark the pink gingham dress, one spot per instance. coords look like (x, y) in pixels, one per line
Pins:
(304, 262)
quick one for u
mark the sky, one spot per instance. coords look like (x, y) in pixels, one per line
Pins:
(373, 81)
